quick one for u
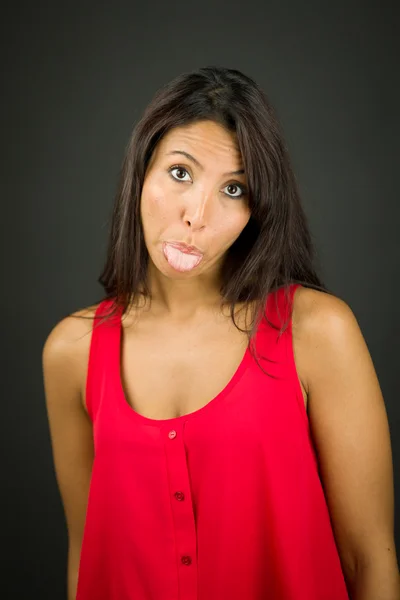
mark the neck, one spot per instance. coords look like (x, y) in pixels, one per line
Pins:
(184, 299)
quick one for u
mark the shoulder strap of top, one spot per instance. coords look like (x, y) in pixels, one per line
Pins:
(287, 339)
(104, 342)
(279, 305)
(278, 348)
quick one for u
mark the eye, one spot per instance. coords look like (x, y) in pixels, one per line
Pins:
(241, 188)
(179, 170)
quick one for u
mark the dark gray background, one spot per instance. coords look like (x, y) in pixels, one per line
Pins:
(75, 79)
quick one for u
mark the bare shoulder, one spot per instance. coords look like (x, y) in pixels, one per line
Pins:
(67, 334)
(321, 322)
(66, 348)
(320, 313)
(314, 307)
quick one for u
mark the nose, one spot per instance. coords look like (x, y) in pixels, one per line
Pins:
(196, 209)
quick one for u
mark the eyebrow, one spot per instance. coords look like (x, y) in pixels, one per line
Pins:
(196, 162)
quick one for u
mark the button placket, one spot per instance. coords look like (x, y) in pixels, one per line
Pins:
(182, 509)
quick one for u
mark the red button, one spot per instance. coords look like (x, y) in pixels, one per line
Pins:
(186, 560)
(179, 495)
(172, 434)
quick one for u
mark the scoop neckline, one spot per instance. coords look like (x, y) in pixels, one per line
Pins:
(211, 404)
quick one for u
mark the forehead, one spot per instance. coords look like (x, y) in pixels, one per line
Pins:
(202, 138)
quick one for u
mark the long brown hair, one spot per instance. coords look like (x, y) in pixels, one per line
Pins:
(275, 248)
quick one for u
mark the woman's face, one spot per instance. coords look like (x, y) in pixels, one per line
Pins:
(196, 201)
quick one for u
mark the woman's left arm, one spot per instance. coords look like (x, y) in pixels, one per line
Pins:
(351, 434)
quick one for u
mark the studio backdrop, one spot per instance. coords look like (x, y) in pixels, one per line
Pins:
(76, 79)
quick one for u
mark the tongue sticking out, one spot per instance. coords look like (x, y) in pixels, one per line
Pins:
(180, 261)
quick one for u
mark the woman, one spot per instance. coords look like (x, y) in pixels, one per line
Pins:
(222, 410)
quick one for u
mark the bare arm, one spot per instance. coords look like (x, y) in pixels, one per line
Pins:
(351, 434)
(64, 360)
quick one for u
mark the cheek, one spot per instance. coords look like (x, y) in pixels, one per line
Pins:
(155, 205)
(230, 225)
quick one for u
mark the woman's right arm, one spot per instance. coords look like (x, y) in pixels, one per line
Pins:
(64, 360)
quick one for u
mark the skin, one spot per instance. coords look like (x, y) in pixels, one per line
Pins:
(344, 402)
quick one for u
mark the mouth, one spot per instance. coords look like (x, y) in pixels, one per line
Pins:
(186, 248)
(179, 258)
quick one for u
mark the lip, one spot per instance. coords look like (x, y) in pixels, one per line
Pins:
(186, 248)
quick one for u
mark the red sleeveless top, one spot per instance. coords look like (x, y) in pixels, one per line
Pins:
(223, 503)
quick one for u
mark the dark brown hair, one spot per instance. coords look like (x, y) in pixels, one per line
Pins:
(275, 248)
